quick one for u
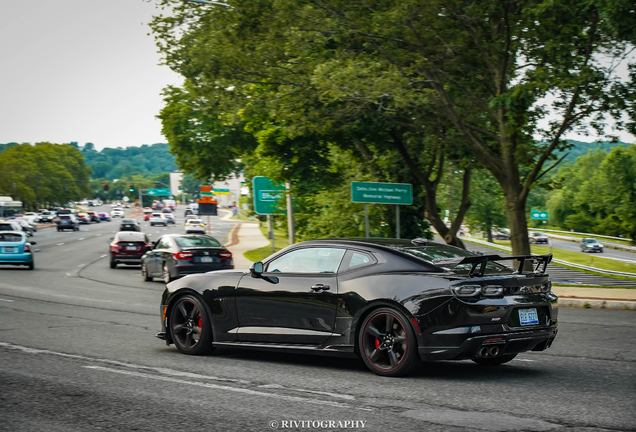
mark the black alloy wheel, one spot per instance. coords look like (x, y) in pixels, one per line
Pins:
(189, 326)
(144, 273)
(388, 344)
(494, 361)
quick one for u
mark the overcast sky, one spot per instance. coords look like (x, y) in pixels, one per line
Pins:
(85, 71)
(80, 70)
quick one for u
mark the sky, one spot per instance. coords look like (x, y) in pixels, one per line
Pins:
(86, 71)
(80, 70)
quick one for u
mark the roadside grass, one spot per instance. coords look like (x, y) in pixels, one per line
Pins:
(281, 240)
(590, 260)
(242, 216)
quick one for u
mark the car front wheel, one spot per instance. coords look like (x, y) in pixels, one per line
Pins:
(387, 343)
(189, 326)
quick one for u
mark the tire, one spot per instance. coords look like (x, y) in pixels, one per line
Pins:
(387, 343)
(165, 274)
(496, 361)
(58, 230)
(189, 326)
(113, 264)
(144, 273)
(31, 265)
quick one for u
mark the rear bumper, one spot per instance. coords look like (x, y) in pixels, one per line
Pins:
(508, 343)
(18, 258)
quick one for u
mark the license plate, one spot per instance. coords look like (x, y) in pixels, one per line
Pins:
(206, 259)
(8, 249)
(131, 248)
(528, 316)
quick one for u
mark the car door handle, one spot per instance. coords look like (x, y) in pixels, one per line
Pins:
(320, 287)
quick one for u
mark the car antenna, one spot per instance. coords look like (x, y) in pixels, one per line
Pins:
(420, 241)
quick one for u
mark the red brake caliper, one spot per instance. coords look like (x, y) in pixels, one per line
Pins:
(377, 343)
(200, 322)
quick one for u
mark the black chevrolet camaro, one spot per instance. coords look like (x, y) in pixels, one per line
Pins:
(393, 303)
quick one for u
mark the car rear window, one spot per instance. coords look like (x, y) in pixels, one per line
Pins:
(196, 241)
(441, 252)
(64, 217)
(131, 237)
(6, 227)
(8, 237)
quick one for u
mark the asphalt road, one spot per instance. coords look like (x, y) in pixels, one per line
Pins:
(628, 257)
(78, 353)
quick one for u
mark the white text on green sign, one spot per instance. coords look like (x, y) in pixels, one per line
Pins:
(382, 193)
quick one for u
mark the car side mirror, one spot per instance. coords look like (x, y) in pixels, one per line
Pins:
(256, 270)
(33, 243)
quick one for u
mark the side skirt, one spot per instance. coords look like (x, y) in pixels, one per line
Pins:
(330, 350)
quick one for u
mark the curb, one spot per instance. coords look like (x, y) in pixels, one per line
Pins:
(596, 303)
(233, 237)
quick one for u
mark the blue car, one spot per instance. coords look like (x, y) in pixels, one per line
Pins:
(15, 249)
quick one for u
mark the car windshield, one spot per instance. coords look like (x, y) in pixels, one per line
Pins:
(442, 253)
(9, 237)
(196, 241)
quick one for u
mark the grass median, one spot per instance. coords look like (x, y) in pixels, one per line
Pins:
(281, 240)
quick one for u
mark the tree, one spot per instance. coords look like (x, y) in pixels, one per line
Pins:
(485, 68)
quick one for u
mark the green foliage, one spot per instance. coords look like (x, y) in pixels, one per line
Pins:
(117, 163)
(43, 174)
(597, 193)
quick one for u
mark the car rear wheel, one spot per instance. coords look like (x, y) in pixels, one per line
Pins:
(113, 264)
(495, 361)
(189, 326)
(387, 343)
(31, 265)
(144, 273)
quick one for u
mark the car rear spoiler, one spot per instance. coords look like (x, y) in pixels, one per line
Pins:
(478, 263)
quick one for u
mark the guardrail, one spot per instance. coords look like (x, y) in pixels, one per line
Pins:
(557, 261)
(580, 233)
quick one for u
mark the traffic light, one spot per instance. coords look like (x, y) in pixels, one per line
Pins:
(131, 188)
(106, 187)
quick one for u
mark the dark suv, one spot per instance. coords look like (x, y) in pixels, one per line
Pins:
(67, 221)
(128, 248)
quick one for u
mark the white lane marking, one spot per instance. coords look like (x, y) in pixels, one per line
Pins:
(334, 395)
(9, 301)
(81, 265)
(526, 360)
(102, 256)
(98, 235)
(230, 389)
(80, 239)
(60, 244)
(68, 274)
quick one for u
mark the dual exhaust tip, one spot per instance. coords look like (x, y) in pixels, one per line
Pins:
(489, 351)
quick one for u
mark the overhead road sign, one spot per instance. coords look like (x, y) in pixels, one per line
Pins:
(221, 192)
(382, 193)
(539, 215)
(158, 192)
(267, 195)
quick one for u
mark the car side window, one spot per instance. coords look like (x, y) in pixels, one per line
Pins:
(359, 259)
(308, 260)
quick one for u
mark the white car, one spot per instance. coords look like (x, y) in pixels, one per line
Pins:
(194, 226)
(158, 219)
(31, 217)
(117, 212)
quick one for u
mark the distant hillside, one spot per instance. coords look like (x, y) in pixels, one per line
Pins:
(582, 148)
(113, 163)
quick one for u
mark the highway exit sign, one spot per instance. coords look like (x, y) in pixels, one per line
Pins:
(539, 215)
(382, 193)
(267, 195)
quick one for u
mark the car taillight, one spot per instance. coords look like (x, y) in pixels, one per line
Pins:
(183, 255)
(27, 248)
(225, 255)
(467, 290)
(114, 247)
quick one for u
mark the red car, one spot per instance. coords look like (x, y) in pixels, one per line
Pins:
(127, 247)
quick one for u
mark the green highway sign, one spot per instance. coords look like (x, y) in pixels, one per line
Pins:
(539, 215)
(205, 194)
(158, 192)
(267, 195)
(221, 191)
(382, 193)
